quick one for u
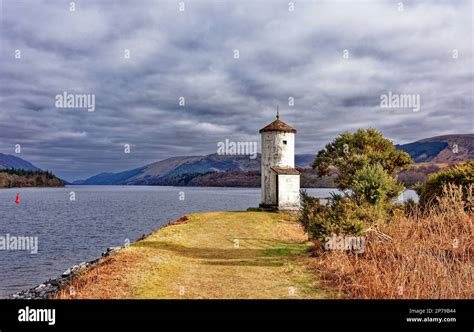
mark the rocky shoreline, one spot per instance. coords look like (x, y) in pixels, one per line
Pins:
(52, 286)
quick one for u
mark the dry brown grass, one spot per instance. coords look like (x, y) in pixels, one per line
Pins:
(111, 271)
(429, 256)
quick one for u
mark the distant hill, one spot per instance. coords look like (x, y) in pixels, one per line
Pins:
(9, 161)
(222, 170)
(16, 172)
(441, 149)
(433, 154)
(176, 170)
(16, 178)
(111, 178)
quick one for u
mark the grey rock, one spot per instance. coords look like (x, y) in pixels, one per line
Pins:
(66, 273)
(40, 287)
(52, 286)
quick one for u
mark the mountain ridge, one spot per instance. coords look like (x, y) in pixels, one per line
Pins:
(202, 170)
(441, 149)
(11, 161)
(175, 167)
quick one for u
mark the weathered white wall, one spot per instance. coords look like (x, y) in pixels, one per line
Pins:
(289, 192)
(275, 153)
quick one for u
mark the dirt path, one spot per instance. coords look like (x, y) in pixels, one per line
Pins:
(230, 255)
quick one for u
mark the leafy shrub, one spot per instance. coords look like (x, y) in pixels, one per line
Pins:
(309, 208)
(351, 152)
(459, 175)
(373, 185)
(367, 164)
(342, 216)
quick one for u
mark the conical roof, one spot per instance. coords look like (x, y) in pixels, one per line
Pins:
(278, 125)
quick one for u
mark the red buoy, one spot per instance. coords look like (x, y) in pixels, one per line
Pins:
(17, 199)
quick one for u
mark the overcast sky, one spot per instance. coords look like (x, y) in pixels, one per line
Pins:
(424, 48)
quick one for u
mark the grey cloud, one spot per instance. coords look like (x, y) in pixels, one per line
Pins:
(190, 54)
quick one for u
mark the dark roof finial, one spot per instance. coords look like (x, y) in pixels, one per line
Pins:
(278, 125)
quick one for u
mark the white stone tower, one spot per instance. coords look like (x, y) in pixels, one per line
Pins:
(280, 179)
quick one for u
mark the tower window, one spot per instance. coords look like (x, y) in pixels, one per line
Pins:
(284, 142)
